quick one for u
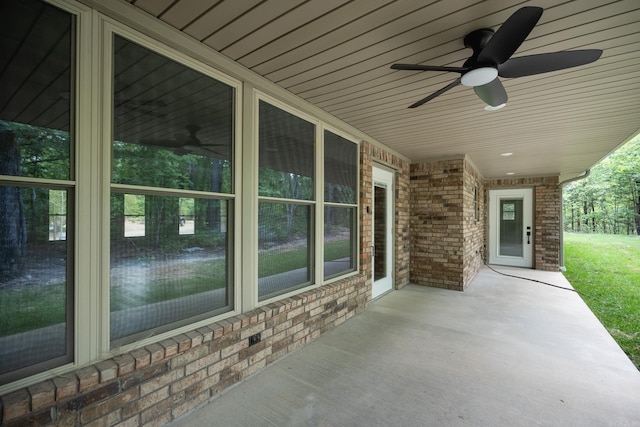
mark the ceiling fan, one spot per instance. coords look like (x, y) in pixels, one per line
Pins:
(492, 58)
(186, 143)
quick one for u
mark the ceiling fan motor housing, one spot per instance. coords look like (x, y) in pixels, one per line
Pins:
(477, 40)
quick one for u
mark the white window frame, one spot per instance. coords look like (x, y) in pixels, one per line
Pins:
(355, 205)
(95, 26)
(110, 28)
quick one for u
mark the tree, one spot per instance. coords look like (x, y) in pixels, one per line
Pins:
(608, 201)
(13, 235)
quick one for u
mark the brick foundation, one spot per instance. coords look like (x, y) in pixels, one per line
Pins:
(165, 380)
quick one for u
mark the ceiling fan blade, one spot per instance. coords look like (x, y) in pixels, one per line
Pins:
(492, 93)
(510, 35)
(546, 62)
(168, 143)
(419, 67)
(451, 85)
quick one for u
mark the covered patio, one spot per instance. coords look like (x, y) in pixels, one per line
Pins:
(505, 352)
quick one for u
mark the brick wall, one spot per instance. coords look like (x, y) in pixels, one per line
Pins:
(437, 218)
(474, 211)
(548, 216)
(158, 383)
(165, 380)
(368, 154)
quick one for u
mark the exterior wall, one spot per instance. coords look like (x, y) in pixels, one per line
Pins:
(474, 217)
(447, 238)
(163, 381)
(437, 217)
(548, 217)
(371, 153)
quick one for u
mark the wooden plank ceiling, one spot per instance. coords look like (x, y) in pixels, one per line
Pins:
(336, 54)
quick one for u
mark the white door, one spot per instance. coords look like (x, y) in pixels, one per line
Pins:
(511, 227)
(382, 231)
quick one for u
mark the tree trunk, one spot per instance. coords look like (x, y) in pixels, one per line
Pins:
(13, 237)
(213, 206)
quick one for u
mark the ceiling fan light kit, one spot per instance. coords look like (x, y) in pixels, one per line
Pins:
(479, 76)
(491, 59)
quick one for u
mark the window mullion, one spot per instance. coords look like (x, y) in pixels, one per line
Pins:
(319, 213)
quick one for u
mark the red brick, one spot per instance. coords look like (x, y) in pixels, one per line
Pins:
(196, 338)
(142, 358)
(15, 405)
(126, 364)
(170, 347)
(66, 386)
(43, 395)
(156, 351)
(184, 342)
(108, 370)
(88, 377)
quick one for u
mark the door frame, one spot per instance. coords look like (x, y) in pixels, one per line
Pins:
(383, 177)
(526, 195)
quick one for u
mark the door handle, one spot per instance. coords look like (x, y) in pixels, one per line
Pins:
(528, 235)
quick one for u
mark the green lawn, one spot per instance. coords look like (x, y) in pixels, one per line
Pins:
(605, 269)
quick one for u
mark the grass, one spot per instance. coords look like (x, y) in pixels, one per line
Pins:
(36, 306)
(275, 262)
(31, 307)
(605, 269)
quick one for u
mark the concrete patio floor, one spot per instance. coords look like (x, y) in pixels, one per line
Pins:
(506, 352)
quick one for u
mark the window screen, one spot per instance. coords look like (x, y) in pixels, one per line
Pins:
(285, 215)
(36, 227)
(172, 194)
(340, 196)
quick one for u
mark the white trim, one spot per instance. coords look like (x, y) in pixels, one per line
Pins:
(318, 218)
(528, 220)
(249, 237)
(385, 178)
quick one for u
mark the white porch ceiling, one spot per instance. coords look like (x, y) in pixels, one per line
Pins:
(336, 54)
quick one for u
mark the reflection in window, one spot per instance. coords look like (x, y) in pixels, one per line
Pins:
(36, 253)
(340, 195)
(339, 240)
(57, 215)
(173, 130)
(287, 147)
(133, 215)
(283, 256)
(164, 277)
(186, 215)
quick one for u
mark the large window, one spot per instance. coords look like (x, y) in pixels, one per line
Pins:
(286, 207)
(36, 188)
(171, 194)
(340, 208)
(121, 192)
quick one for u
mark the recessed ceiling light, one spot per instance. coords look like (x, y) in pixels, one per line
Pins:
(510, 173)
(506, 154)
(492, 108)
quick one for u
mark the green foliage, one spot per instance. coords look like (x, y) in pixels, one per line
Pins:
(44, 152)
(605, 269)
(608, 201)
